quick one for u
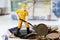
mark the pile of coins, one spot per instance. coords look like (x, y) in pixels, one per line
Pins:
(43, 32)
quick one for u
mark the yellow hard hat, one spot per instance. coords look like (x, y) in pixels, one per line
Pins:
(23, 6)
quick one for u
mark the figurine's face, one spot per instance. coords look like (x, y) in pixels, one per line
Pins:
(23, 6)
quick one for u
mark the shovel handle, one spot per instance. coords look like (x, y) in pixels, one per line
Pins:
(26, 22)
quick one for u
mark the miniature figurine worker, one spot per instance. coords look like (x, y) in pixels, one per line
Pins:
(22, 14)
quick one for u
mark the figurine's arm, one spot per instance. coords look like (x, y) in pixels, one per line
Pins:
(17, 13)
(27, 13)
(17, 16)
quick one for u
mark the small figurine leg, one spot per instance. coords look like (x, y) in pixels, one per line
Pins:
(19, 27)
(27, 26)
(18, 31)
(28, 30)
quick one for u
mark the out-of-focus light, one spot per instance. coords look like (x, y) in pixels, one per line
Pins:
(19, 3)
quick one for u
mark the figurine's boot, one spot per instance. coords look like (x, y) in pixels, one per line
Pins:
(28, 31)
(17, 33)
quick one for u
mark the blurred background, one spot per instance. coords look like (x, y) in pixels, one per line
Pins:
(38, 9)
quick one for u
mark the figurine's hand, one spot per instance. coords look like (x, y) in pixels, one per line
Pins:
(17, 16)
